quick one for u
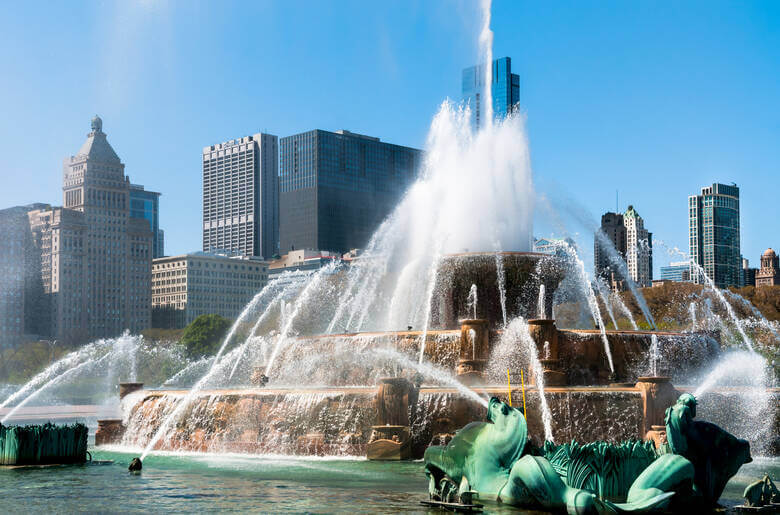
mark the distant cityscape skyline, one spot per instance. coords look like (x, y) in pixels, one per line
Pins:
(578, 103)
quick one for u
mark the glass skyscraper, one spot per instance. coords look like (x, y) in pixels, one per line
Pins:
(505, 89)
(146, 204)
(713, 222)
(337, 187)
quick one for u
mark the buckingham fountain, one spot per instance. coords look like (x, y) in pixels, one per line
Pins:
(444, 319)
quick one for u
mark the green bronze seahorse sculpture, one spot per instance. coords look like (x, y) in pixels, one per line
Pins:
(487, 457)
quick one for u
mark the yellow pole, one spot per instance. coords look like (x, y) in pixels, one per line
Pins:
(509, 387)
(522, 383)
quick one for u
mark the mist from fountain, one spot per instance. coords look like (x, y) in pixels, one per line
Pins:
(605, 300)
(501, 282)
(617, 260)
(582, 276)
(730, 310)
(517, 337)
(471, 301)
(617, 301)
(655, 355)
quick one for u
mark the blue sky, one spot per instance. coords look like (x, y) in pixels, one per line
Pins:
(653, 99)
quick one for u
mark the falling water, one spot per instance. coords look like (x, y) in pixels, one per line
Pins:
(617, 260)
(725, 304)
(692, 312)
(505, 357)
(471, 301)
(605, 299)
(540, 305)
(432, 372)
(623, 309)
(501, 279)
(579, 269)
(766, 324)
(655, 355)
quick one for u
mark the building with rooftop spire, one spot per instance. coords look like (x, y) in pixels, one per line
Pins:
(95, 257)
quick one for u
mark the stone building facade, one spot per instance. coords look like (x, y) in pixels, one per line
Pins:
(95, 258)
(241, 196)
(769, 273)
(20, 278)
(187, 286)
(631, 241)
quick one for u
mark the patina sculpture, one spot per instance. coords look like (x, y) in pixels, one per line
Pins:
(494, 460)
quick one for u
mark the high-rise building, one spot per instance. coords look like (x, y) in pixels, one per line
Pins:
(630, 242)
(505, 89)
(639, 249)
(747, 275)
(95, 258)
(187, 286)
(612, 230)
(20, 277)
(713, 223)
(679, 271)
(241, 196)
(146, 204)
(769, 273)
(337, 187)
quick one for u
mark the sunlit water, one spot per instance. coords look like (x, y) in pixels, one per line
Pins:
(218, 483)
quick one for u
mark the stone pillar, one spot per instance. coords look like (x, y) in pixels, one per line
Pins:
(109, 431)
(395, 402)
(474, 350)
(658, 393)
(128, 388)
(393, 399)
(545, 335)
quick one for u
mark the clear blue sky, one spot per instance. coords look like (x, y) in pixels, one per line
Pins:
(654, 99)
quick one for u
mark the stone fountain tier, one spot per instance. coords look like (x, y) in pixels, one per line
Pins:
(524, 272)
(344, 421)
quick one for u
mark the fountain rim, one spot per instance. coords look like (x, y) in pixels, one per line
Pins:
(499, 253)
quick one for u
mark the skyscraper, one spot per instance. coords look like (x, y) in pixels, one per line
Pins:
(639, 249)
(631, 242)
(613, 230)
(337, 187)
(146, 204)
(713, 223)
(95, 258)
(505, 89)
(20, 277)
(241, 196)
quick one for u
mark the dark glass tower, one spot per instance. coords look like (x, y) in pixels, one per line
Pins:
(714, 234)
(505, 89)
(337, 187)
(146, 204)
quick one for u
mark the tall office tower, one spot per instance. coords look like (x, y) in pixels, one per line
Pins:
(95, 257)
(146, 204)
(337, 187)
(20, 276)
(613, 230)
(639, 249)
(505, 89)
(241, 196)
(713, 222)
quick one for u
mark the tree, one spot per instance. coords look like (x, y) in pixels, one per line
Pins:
(204, 335)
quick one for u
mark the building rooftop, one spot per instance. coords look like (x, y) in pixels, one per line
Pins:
(97, 147)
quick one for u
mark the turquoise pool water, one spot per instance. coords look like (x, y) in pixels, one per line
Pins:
(240, 483)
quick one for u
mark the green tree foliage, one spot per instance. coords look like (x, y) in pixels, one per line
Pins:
(204, 335)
